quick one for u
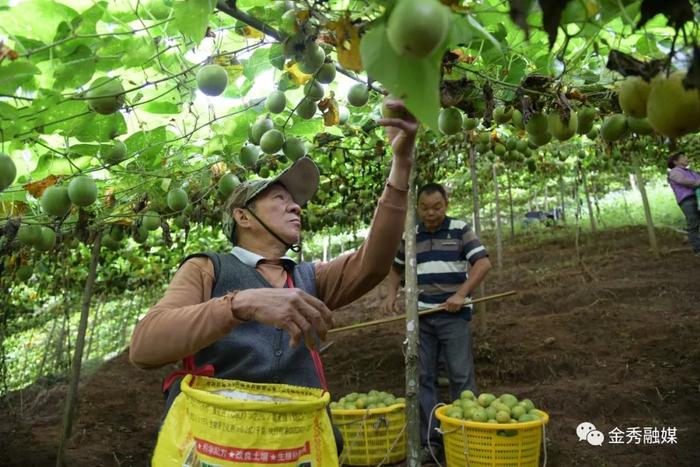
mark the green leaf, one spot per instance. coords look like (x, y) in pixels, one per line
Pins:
(76, 69)
(257, 63)
(61, 118)
(96, 127)
(416, 81)
(146, 145)
(38, 19)
(141, 49)
(306, 128)
(192, 17)
(16, 74)
(53, 164)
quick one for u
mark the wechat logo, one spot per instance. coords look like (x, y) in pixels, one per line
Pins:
(587, 431)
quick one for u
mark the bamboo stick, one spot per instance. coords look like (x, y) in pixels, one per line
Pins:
(422, 313)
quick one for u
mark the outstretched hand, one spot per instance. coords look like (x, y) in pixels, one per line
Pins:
(401, 128)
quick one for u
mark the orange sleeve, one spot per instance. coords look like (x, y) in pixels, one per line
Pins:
(185, 320)
(348, 277)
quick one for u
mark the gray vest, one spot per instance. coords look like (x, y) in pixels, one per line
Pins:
(252, 351)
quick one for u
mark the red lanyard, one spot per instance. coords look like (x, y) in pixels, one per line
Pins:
(318, 364)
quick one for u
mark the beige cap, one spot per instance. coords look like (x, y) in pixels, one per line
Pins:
(300, 179)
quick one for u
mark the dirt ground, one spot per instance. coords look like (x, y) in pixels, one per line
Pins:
(612, 341)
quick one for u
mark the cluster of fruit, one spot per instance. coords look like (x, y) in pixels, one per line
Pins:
(372, 400)
(488, 408)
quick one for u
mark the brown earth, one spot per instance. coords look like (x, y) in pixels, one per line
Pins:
(613, 341)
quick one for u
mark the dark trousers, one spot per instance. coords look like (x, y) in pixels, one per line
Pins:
(689, 206)
(450, 337)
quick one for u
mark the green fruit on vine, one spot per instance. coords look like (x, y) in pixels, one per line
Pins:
(614, 128)
(272, 141)
(276, 102)
(47, 239)
(499, 149)
(117, 233)
(388, 112)
(55, 201)
(560, 129)
(343, 115)
(177, 199)
(306, 109)
(673, 110)
(502, 114)
(578, 11)
(586, 116)
(180, 221)
(358, 95)
(633, 94)
(312, 59)
(24, 273)
(277, 57)
(522, 145)
(105, 96)
(538, 140)
(151, 220)
(110, 243)
(485, 137)
(227, 183)
(249, 155)
(82, 191)
(593, 134)
(140, 233)
(517, 119)
(417, 28)
(450, 121)
(264, 172)
(512, 143)
(115, 153)
(259, 128)
(470, 123)
(639, 126)
(294, 148)
(537, 125)
(212, 80)
(29, 234)
(288, 22)
(314, 91)
(8, 171)
(326, 74)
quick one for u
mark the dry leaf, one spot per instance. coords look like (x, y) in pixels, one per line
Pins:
(12, 208)
(298, 77)
(348, 43)
(218, 169)
(329, 109)
(109, 199)
(36, 189)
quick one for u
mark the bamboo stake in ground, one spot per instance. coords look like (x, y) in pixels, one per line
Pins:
(72, 397)
(412, 360)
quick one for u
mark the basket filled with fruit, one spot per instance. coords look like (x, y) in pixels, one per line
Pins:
(492, 431)
(373, 427)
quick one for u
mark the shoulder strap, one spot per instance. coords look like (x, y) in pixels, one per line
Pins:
(215, 259)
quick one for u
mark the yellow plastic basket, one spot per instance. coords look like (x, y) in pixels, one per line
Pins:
(476, 444)
(373, 435)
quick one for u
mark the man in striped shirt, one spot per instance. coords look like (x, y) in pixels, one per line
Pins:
(443, 247)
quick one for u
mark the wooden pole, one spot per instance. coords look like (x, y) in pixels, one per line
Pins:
(72, 397)
(412, 332)
(591, 215)
(481, 309)
(497, 209)
(510, 203)
(647, 207)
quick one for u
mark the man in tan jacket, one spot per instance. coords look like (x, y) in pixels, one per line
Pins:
(241, 315)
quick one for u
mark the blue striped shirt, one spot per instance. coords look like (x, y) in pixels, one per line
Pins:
(441, 259)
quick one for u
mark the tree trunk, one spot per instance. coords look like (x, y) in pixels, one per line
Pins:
(647, 208)
(475, 192)
(72, 396)
(510, 204)
(562, 197)
(480, 307)
(412, 333)
(497, 209)
(591, 215)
